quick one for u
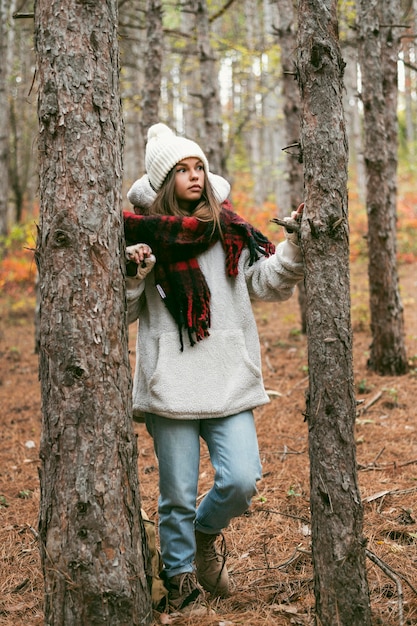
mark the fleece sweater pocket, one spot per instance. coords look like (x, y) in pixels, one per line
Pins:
(215, 377)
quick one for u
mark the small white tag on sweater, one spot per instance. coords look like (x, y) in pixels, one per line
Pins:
(161, 292)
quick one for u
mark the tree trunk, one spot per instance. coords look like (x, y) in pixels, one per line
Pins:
(353, 114)
(153, 65)
(6, 10)
(378, 59)
(408, 98)
(253, 128)
(91, 534)
(338, 547)
(22, 126)
(212, 140)
(190, 122)
(16, 175)
(133, 49)
(287, 41)
(273, 159)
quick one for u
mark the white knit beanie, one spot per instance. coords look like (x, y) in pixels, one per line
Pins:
(164, 150)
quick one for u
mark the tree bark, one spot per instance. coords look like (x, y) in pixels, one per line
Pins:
(153, 64)
(288, 41)
(133, 49)
(91, 534)
(378, 59)
(353, 114)
(6, 10)
(338, 547)
(210, 99)
(295, 180)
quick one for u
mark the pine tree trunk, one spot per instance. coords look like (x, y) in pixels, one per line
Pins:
(295, 180)
(212, 140)
(153, 65)
(378, 60)
(6, 9)
(133, 49)
(253, 128)
(91, 535)
(287, 41)
(353, 114)
(189, 71)
(340, 584)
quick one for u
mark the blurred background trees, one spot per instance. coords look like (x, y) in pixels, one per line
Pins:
(223, 72)
(213, 70)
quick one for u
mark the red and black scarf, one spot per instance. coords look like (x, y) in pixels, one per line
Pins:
(176, 243)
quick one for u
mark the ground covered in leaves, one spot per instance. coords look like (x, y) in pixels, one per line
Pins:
(269, 548)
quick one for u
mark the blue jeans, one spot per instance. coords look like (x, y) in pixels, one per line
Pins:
(233, 448)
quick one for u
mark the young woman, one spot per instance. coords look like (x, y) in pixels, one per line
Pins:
(196, 267)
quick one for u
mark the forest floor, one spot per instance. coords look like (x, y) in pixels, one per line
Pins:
(269, 551)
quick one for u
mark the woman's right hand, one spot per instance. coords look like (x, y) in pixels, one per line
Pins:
(141, 254)
(138, 253)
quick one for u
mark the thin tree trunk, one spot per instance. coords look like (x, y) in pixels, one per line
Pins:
(133, 49)
(338, 548)
(17, 179)
(153, 65)
(92, 538)
(408, 99)
(378, 58)
(189, 71)
(213, 139)
(6, 10)
(295, 180)
(288, 41)
(253, 128)
(273, 159)
(22, 120)
(352, 113)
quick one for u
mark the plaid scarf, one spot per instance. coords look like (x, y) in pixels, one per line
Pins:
(176, 243)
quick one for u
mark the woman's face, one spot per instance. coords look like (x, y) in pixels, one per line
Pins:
(189, 182)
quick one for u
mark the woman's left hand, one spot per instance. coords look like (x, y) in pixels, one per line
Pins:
(290, 234)
(296, 215)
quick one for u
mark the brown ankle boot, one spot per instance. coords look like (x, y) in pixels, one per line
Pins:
(211, 566)
(186, 596)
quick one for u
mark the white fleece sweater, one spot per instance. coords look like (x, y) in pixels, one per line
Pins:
(220, 375)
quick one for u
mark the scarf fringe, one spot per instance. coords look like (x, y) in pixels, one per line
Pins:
(190, 310)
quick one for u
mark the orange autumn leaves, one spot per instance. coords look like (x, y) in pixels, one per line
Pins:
(18, 268)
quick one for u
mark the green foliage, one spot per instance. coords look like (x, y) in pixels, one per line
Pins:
(413, 365)
(3, 502)
(363, 387)
(392, 395)
(25, 494)
(14, 354)
(172, 16)
(293, 492)
(20, 236)
(347, 16)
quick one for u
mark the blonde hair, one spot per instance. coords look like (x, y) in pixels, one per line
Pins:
(207, 209)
